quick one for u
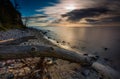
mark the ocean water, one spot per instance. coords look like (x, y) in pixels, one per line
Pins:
(102, 41)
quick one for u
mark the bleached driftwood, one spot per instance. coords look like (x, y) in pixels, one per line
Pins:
(16, 41)
(106, 71)
(16, 52)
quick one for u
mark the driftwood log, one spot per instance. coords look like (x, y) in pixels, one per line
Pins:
(17, 52)
(106, 71)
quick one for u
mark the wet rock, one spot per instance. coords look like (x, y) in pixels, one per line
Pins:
(1, 64)
(85, 54)
(57, 41)
(94, 58)
(51, 48)
(63, 41)
(49, 38)
(105, 48)
(44, 33)
(85, 72)
(97, 56)
(106, 59)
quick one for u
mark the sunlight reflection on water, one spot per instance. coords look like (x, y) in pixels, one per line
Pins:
(102, 41)
(87, 39)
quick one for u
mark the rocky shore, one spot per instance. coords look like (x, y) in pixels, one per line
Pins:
(31, 68)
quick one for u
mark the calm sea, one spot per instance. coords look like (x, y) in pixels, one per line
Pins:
(102, 41)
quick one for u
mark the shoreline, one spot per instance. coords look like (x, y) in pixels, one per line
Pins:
(11, 64)
(100, 42)
(65, 67)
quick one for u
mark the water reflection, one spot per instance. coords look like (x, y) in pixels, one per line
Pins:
(102, 41)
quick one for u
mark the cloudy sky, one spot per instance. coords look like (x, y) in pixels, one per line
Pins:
(71, 13)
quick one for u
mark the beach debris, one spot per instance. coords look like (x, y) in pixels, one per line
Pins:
(10, 76)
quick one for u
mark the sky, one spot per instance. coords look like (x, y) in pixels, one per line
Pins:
(70, 13)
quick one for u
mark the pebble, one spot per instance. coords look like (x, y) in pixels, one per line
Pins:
(1, 64)
(85, 72)
(85, 54)
(10, 76)
(105, 49)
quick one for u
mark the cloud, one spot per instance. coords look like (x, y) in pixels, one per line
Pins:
(109, 21)
(89, 11)
(103, 11)
(112, 19)
(36, 20)
(56, 10)
(35, 16)
(92, 20)
(77, 15)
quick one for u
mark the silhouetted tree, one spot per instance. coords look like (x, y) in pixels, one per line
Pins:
(26, 21)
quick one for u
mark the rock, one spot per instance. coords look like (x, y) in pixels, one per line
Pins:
(85, 72)
(49, 61)
(85, 54)
(44, 33)
(63, 41)
(105, 49)
(10, 76)
(49, 38)
(1, 64)
(12, 65)
(37, 75)
(106, 59)
(57, 41)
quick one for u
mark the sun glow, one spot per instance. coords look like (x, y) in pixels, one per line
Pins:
(70, 7)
